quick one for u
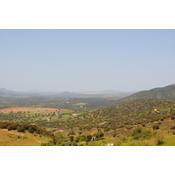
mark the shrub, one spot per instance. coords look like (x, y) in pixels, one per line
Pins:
(156, 126)
(114, 134)
(71, 138)
(160, 139)
(12, 127)
(51, 134)
(173, 127)
(172, 117)
(139, 134)
(71, 133)
(143, 125)
(4, 125)
(123, 138)
(88, 138)
(136, 131)
(21, 129)
(81, 138)
(107, 129)
(98, 134)
(129, 127)
(174, 133)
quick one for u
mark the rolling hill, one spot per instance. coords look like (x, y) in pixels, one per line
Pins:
(156, 93)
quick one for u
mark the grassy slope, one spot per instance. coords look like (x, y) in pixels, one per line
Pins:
(14, 138)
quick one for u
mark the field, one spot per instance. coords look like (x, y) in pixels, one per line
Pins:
(31, 109)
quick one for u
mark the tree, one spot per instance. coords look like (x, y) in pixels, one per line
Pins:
(88, 138)
(71, 138)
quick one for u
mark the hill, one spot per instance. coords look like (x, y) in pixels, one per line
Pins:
(6, 90)
(14, 138)
(156, 93)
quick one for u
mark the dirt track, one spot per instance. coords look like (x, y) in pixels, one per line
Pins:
(22, 109)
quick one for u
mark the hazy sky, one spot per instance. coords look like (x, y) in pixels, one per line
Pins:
(86, 60)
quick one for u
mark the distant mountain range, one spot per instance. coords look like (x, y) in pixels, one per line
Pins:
(156, 93)
(4, 91)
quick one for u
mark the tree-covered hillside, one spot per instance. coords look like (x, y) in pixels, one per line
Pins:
(156, 93)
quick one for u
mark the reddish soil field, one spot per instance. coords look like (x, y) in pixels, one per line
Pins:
(23, 109)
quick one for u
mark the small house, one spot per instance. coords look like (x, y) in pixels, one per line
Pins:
(93, 138)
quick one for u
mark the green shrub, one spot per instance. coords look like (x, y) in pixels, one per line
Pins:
(81, 138)
(136, 131)
(139, 134)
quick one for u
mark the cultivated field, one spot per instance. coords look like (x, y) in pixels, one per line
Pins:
(31, 109)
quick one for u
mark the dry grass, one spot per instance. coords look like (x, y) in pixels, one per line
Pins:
(14, 138)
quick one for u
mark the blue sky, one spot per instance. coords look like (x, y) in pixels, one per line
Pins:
(86, 60)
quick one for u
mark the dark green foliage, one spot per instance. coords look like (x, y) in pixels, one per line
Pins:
(4, 125)
(81, 138)
(156, 126)
(98, 135)
(59, 140)
(51, 135)
(88, 138)
(71, 133)
(71, 138)
(136, 131)
(20, 129)
(139, 134)
(12, 127)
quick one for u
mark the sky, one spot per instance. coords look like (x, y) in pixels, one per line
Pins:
(86, 60)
